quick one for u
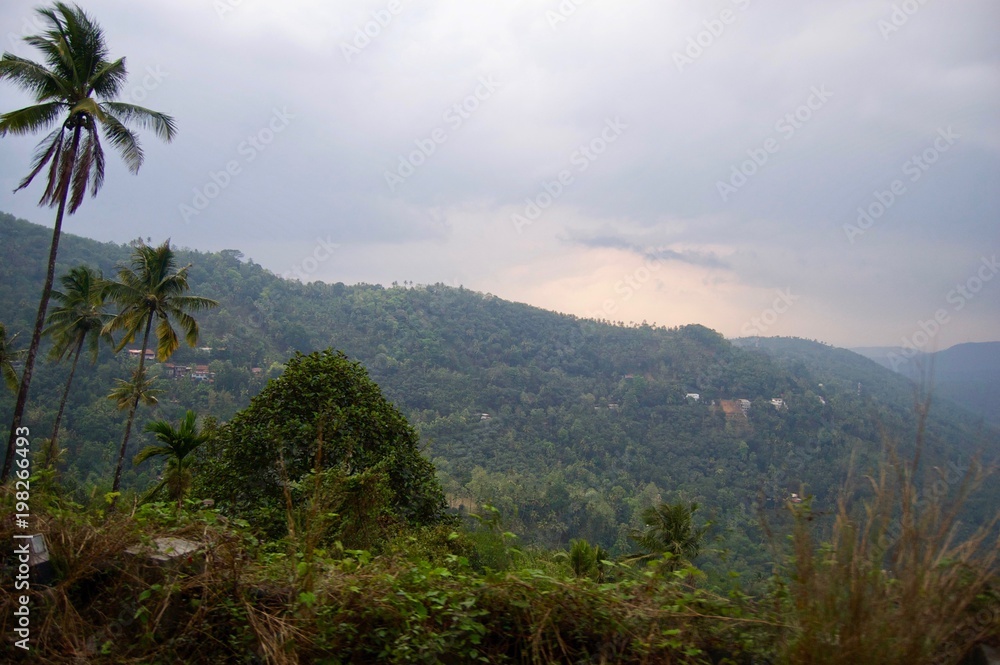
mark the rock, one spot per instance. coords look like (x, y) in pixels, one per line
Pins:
(171, 552)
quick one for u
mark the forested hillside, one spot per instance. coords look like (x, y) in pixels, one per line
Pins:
(569, 427)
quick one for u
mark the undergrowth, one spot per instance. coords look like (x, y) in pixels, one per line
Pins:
(896, 580)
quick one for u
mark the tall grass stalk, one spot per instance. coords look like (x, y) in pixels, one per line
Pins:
(899, 579)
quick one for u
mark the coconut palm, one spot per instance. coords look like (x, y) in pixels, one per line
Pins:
(8, 356)
(77, 321)
(177, 445)
(152, 288)
(128, 395)
(75, 87)
(126, 392)
(669, 528)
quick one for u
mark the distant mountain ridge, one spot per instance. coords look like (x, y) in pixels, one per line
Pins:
(968, 374)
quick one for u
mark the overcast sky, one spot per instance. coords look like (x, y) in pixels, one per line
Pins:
(672, 162)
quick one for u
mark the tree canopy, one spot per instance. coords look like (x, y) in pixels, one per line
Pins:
(323, 399)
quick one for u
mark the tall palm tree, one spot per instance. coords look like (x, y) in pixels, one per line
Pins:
(152, 288)
(78, 320)
(8, 356)
(76, 88)
(177, 445)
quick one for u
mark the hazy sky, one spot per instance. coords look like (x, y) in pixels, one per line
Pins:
(672, 162)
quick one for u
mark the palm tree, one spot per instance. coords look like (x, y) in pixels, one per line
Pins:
(152, 288)
(177, 445)
(125, 392)
(76, 86)
(79, 320)
(8, 356)
(669, 528)
(127, 395)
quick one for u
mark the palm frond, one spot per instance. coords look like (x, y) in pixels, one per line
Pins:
(32, 78)
(60, 171)
(81, 172)
(152, 451)
(167, 341)
(30, 119)
(194, 303)
(109, 79)
(47, 150)
(124, 141)
(97, 181)
(53, 43)
(130, 323)
(163, 125)
(125, 392)
(85, 38)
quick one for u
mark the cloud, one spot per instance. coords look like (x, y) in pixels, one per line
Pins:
(653, 193)
(706, 259)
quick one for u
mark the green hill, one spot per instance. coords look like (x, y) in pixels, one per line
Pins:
(570, 427)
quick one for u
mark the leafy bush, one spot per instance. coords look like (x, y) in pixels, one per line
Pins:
(322, 413)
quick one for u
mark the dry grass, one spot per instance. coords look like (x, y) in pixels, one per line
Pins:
(901, 581)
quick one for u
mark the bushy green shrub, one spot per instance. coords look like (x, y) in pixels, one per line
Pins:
(323, 413)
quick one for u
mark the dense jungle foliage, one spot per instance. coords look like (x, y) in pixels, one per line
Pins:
(570, 428)
(597, 510)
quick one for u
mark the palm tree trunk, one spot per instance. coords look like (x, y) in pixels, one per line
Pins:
(54, 441)
(131, 411)
(36, 335)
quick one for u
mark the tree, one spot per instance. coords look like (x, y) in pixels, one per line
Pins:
(152, 287)
(126, 392)
(668, 528)
(78, 84)
(8, 356)
(323, 411)
(127, 395)
(587, 560)
(178, 444)
(78, 320)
